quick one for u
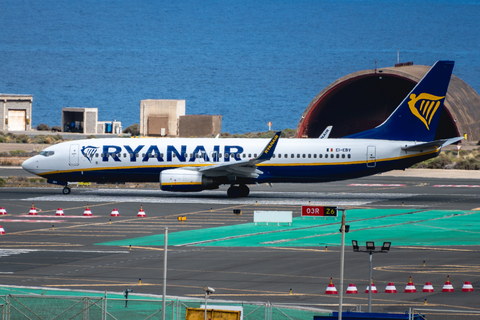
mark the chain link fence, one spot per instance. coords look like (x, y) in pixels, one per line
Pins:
(35, 307)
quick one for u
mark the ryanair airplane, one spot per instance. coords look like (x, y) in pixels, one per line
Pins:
(179, 164)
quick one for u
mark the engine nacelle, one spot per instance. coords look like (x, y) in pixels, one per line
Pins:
(185, 180)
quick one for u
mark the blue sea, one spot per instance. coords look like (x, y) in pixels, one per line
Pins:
(251, 61)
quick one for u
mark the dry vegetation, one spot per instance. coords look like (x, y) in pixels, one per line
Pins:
(23, 138)
(450, 159)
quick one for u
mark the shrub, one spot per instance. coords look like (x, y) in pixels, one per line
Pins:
(17, 153)
(92, 136)
(134, 129)
(22, 138)
(56, 129)
(41, 138)
(43, 127)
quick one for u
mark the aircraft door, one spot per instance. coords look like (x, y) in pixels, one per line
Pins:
(73, 155)
(371, 156)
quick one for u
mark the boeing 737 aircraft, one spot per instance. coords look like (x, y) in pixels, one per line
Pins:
(179, 164)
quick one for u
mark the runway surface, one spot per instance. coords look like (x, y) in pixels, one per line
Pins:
(429, 220)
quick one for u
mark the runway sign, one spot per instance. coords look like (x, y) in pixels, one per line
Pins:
(319, 211)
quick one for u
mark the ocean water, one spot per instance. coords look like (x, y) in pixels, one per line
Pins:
(251, 61)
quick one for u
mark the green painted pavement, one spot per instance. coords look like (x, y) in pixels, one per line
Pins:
(15, 290)
(401, 226)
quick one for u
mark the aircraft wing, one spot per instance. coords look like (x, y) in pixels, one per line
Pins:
(246, 168)
(432, 145)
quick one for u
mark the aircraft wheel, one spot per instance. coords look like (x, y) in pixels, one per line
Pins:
(66, 190)
(244, 190)
(233, 192)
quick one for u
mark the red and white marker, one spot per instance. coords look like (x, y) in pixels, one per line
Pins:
(447, 287)
(33, 211)
(410, 288)
(467, 286)
(390, 288)
(374, 289)
(428, 287)
(87, 211)
(2, 211)
(352, 289)
(331, 288)
(114, 213)
(141, 213)
(2, 231)
(59, 212)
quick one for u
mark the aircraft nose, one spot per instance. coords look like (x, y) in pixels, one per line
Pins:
(29, 165)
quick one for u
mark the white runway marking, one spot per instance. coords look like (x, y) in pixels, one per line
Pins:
(219, 197)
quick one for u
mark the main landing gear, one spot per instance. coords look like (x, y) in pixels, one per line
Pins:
(66, 190)
(238, 191)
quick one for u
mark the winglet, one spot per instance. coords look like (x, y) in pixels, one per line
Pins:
(270, 148)
(326, 133)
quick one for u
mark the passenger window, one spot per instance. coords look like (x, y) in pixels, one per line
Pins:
(244, 155)
(326, 155)
(292, 156)
(124, 155)
(96, 155)
(303, 155)
(254, 155)
(298, 155)
(143, 155)
(226, 155)
(286, 155)
(249, 155)
(219, 155)
(320, 155)
(338, 156)
(174, 155)
(279, 155)
(331, 155)
(349, 157)
(138, 155)
(309, 155)
(343, 156)
(161, 155)
(191, 155)
(273, 155)
(314, 155)
(186, 155)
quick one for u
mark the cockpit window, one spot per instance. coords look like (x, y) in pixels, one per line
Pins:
(47, 153)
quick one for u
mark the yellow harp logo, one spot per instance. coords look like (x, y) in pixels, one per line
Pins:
(424, 106)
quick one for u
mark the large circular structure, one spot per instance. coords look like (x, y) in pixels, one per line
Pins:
(364, 99)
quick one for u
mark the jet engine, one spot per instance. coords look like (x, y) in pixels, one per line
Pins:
(185, 180)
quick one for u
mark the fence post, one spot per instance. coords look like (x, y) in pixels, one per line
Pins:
(105, 309)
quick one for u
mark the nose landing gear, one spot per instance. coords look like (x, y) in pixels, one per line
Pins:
(238, 191)
(66, 190)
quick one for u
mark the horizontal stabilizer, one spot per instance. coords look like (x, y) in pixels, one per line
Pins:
(432, 145)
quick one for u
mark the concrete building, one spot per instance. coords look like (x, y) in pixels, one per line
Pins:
(200, 125)
(15, 112)
(364, 99)
(80, 120)
(160, 117)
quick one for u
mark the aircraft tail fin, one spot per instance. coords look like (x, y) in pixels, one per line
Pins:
(417, 116)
